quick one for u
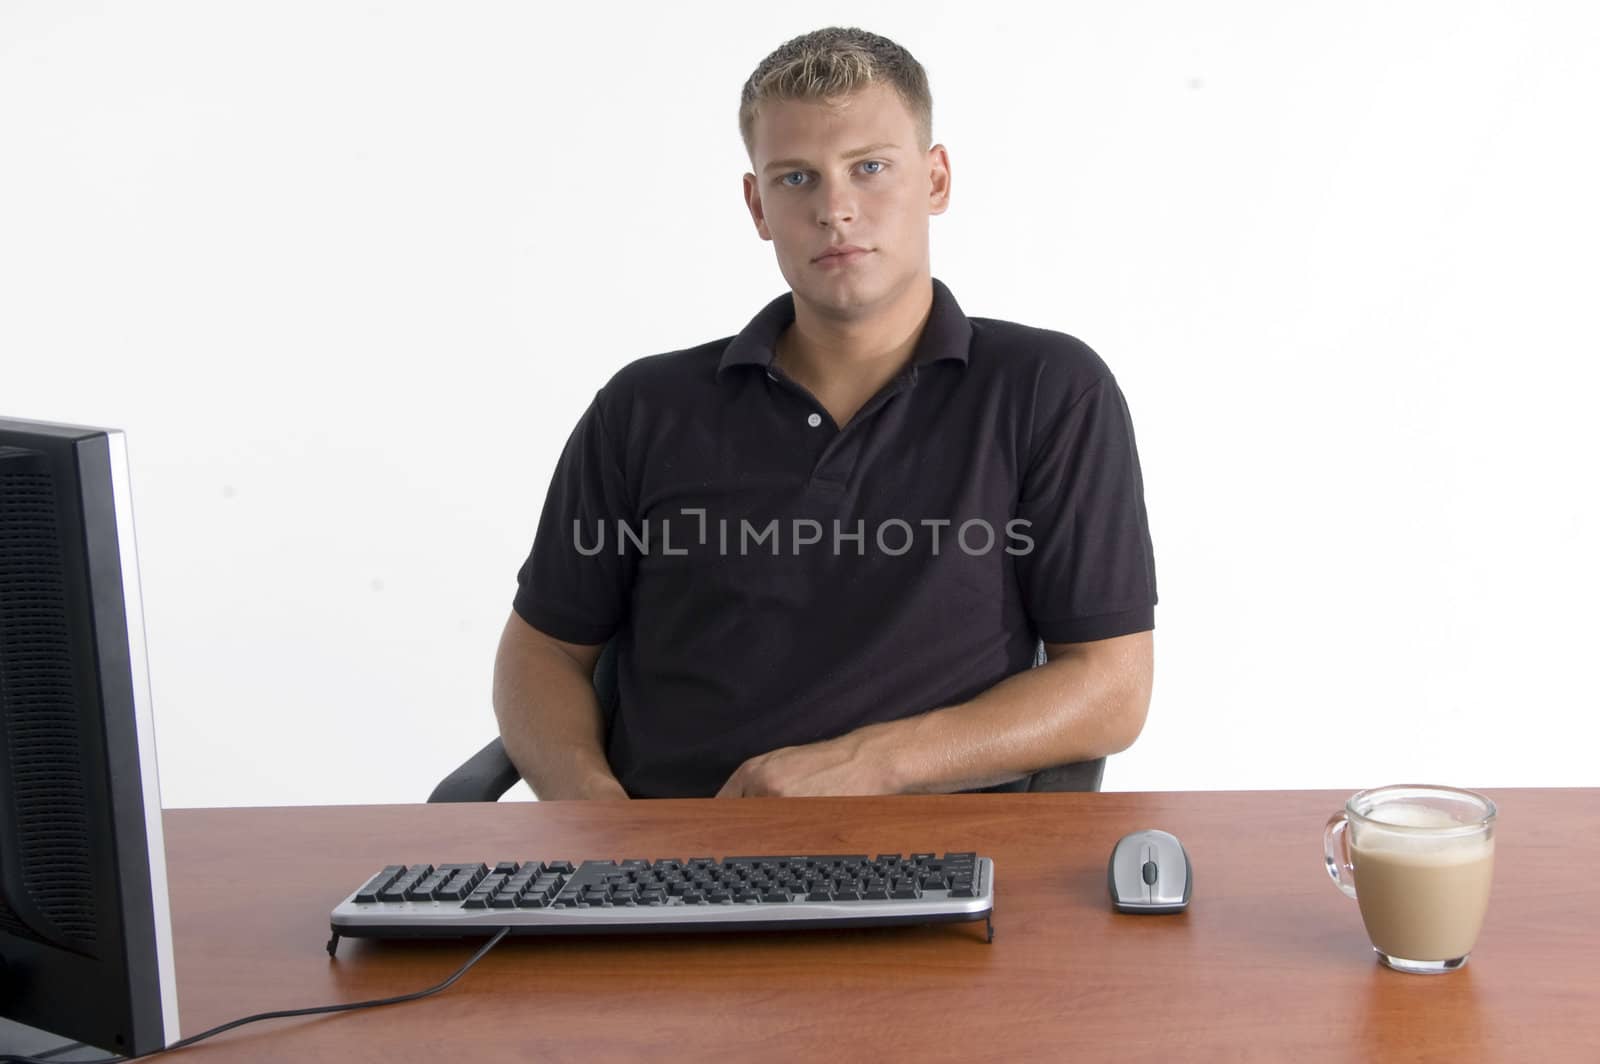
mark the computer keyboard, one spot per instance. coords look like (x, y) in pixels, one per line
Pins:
(699, 894)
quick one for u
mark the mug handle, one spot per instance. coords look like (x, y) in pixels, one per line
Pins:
(1336, 852)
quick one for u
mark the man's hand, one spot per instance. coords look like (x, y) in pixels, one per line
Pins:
(849, 764)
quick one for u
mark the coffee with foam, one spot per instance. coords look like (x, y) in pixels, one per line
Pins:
(1422, 880)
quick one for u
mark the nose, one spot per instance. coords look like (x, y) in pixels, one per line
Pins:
(836, 203)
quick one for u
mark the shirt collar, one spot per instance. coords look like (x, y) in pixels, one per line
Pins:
(946, 335)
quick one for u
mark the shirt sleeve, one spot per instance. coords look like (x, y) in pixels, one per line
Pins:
(1089, 572)
(577, 581)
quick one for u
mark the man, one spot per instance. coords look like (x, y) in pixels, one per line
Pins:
(828, 547)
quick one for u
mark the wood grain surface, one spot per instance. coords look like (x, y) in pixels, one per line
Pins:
(1270, 962)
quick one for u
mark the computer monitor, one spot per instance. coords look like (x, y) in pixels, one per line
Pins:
(85, 930)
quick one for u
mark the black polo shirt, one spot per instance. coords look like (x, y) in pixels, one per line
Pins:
(773, 580)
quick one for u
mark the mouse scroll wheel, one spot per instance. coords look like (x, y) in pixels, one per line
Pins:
(1149, 872)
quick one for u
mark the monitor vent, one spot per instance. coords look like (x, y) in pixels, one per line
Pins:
(40, 706)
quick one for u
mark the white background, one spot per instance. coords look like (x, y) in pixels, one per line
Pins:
(347, 273)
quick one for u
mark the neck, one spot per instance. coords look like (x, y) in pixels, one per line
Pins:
(838, 355)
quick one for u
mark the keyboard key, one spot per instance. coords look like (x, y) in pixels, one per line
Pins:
(397, 891)
(369, 893)
(423, 891)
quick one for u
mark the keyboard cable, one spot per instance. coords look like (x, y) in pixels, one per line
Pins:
(14, 1058)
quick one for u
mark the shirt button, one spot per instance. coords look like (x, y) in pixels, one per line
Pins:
(814, 420)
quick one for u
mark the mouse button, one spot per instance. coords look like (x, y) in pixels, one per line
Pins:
(1169, 852)
(1126, 883)
(1175, 877)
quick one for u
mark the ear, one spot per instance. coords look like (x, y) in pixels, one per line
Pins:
(938, 179)
(752, 200)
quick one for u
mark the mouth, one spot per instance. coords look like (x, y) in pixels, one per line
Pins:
(842, 257)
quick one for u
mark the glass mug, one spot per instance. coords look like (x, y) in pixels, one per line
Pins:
(1418, 860)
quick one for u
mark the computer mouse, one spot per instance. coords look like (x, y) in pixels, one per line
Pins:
(1149, 872)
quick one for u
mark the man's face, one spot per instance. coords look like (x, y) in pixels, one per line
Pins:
(806, 196)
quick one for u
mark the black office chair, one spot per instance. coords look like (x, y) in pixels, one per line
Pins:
(489, 773)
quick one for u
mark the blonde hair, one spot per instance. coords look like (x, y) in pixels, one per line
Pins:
(829, 63)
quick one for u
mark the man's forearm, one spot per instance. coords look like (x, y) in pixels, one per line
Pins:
(1072, 708)
(563, 771)
(551, 727)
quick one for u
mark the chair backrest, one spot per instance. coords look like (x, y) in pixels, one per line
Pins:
(1075, 776)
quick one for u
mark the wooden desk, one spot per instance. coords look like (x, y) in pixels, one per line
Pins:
(1269, 963)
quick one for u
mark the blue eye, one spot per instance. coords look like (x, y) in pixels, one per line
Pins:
(870, 162)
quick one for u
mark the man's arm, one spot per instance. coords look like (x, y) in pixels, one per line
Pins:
(548, 714)
(1087, 700)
